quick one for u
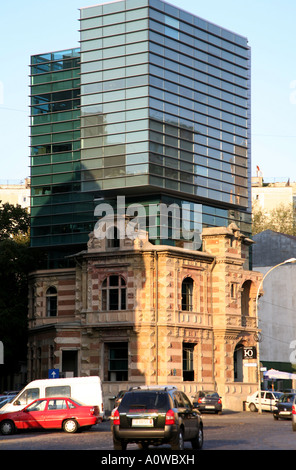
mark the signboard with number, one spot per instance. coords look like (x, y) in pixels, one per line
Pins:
(250, 352)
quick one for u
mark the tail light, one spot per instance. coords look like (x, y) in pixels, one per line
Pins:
(293, 409)
(199, 400)
(170, 417)
(116, 417)
(219, 401)
(95, 410)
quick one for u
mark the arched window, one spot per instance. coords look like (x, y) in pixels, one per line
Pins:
(187, 293)
(245, 298)
(247, 301)
(51, 302)
(114, 293)
(238, 363)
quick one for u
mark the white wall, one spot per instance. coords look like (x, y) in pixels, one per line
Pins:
(277, 313)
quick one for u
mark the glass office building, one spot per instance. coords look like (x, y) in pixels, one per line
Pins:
(60, 214)
(157, 109)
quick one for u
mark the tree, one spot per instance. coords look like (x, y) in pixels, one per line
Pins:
(16, 261)
(280, 219)
(14, 221)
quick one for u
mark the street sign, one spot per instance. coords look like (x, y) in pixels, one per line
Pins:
(250, 352)
(53, 373)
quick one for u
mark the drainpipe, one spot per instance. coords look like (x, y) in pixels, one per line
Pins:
(156, 313)
(211, 280)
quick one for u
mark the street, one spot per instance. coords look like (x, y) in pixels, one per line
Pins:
(230, 431)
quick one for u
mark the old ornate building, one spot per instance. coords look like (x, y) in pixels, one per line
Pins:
(135, 313)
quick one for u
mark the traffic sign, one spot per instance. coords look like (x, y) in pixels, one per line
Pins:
(53, 373)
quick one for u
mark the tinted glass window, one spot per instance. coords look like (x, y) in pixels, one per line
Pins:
(211, 394)
(145, 401)
(186, 401)
(287, 398)
(178, 400)
(57, 405)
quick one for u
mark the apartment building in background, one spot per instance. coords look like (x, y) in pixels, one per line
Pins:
(270, 193)
(16, 193)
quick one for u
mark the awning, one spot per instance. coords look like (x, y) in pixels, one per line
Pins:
(277, 374)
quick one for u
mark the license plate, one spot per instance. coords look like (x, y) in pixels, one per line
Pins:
(285, 412)
(148, 422)
(210, 406)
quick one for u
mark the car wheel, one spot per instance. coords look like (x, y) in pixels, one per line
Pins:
(119, 445)
(252, 407)
(70, 425)
(275, 417)
(197, 443)
(7, 427)
(178, 443)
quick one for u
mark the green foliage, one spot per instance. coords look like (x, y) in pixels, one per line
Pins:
(281, 219)
(16, 261)
(14, 221)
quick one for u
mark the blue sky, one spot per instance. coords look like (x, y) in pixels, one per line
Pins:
(33, 26)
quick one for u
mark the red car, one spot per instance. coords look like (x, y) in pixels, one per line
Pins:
(50, 413)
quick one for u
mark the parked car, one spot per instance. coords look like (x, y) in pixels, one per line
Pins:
(208, 400)
(154, 416)
(87, 390)
(9, 393)
(293, 416)
(283, 408)
(269, 399)
(50, 413)
(6, 399)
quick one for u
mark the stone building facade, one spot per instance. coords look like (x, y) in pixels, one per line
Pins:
(135, 313)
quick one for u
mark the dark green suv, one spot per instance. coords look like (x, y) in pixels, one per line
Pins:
(155, 416)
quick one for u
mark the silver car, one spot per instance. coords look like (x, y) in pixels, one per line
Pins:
(269, 399)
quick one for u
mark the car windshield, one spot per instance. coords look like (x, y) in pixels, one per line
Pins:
(144, 401)
(287, 398)
(277, 394)
(208, 394)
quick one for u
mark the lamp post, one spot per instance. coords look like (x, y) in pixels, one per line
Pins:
(290, 260)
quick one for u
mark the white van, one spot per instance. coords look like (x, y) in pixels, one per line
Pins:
(87, 390)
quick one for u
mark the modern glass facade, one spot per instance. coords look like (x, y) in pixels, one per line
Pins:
(60, 214)
(164, 114)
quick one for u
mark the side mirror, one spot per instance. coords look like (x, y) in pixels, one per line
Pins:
(16, 403)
